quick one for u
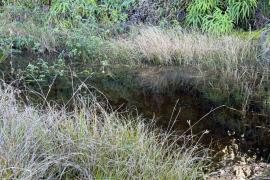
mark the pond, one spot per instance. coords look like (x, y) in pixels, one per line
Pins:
(178, 98)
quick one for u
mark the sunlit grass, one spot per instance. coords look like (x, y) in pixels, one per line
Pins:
(172, 46)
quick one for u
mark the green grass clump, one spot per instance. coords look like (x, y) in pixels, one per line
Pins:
(88, 143)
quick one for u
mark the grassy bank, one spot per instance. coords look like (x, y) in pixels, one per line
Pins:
(66, 33)
(89, 142)
(101, 32)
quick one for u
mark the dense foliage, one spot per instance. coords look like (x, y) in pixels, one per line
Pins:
(84, 28)
(70, 12)
(219, 16)
(214, 16)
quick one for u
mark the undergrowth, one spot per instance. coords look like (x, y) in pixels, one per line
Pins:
(84, 29)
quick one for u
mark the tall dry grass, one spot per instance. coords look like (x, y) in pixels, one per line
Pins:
(87, 143)
(168, 47)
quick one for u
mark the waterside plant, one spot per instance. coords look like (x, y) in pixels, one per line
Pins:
(89, 142)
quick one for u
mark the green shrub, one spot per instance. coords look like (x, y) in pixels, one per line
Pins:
(217, 16)
(43, 72)
(217, 23)
(198, 9)
(71, 13)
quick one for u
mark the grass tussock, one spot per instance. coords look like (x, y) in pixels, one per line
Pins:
(172, 46)
(87, 143)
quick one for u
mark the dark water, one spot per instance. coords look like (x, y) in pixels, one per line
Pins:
(173, 96)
